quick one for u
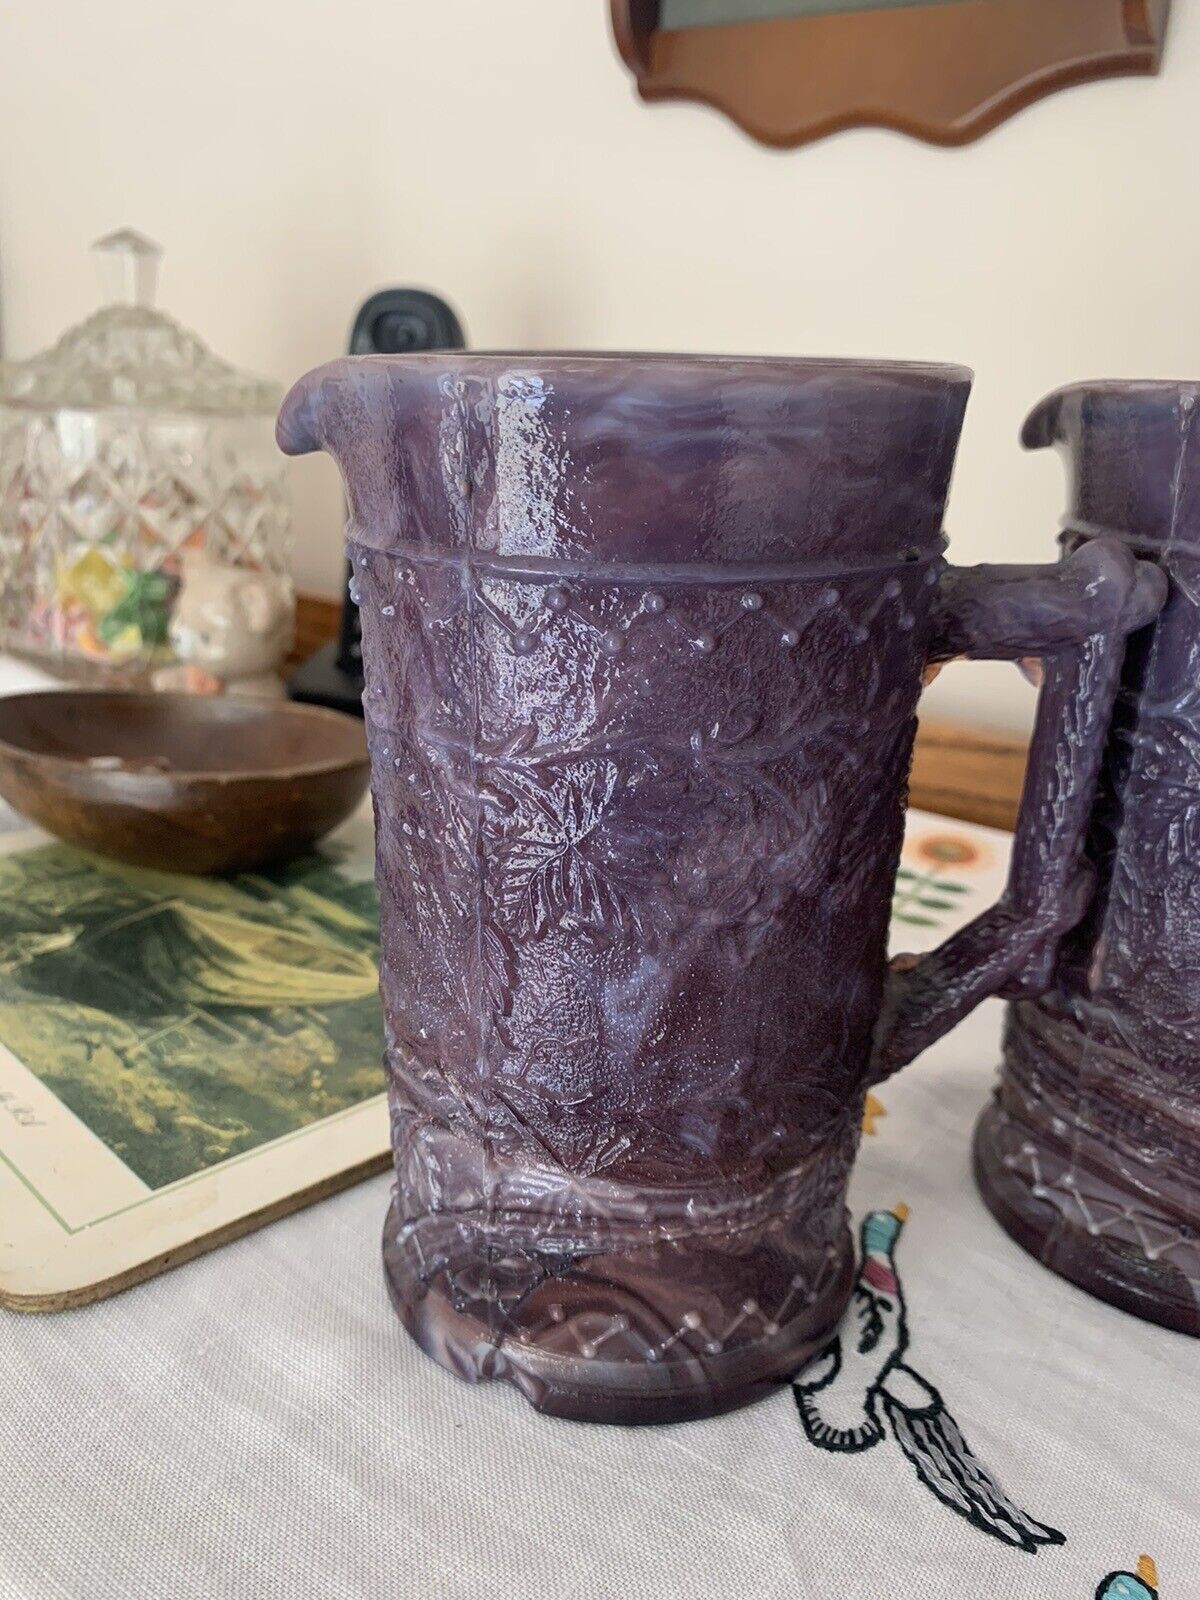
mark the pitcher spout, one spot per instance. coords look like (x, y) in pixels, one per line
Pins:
(332, 406)
(1042, 426)
(361, 412)
(297, 427)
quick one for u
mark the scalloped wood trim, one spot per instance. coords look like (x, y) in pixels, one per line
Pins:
(942, 73)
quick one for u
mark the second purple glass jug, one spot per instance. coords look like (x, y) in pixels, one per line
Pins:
(1089, 1155)
(643, 640)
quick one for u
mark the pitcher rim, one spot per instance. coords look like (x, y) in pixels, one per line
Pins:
(945, 371)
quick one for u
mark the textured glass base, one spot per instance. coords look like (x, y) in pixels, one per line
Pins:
(590, 1346)
(1109, 1243)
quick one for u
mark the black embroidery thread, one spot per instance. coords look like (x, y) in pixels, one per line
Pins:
(861, 1370)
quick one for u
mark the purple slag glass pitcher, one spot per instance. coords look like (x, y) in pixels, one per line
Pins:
(643, 640)
(1090, 1153)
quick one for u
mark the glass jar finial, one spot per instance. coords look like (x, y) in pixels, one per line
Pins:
(128, 263)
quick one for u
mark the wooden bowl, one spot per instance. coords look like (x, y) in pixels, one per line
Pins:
(185, 783)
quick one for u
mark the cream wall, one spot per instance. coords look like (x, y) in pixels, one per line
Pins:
(292, 155)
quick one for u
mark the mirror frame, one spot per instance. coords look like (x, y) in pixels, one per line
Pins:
(942, 73)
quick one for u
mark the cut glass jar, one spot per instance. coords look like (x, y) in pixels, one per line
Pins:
(121, 448)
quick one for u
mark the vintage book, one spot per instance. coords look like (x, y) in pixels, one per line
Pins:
(181, 1059)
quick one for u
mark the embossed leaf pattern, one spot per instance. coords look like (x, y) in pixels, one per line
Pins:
(499, 969)
(1171, 775)
(590, 847)
(1149, 906)
(571, 861)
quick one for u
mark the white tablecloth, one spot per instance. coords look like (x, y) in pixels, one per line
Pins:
(255, 1425)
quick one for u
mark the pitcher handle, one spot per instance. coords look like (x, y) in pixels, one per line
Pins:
(1076, 616)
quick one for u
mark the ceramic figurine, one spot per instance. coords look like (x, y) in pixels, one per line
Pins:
(643, 640)
(1090, 1153)
(231, 628)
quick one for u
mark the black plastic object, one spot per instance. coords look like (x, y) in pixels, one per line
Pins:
(392, 322)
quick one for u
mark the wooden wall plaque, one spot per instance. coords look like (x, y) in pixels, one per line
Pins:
(788, 71)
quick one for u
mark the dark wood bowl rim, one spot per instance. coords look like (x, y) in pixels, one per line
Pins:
(267, 708)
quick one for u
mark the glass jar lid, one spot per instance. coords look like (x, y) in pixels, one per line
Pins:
(130, 355)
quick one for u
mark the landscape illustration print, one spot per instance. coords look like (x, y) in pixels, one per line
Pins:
(185, 1021)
